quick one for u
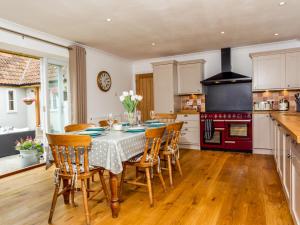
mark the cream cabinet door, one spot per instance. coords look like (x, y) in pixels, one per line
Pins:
(281, 151)
(189, 76)
(287, 165)
(292, 70)
(295, 197)
(261, 131)
(163, 88)
(269, 72)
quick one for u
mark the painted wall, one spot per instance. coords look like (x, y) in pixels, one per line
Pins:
(240, 60)
(16, 119)
(101, 103)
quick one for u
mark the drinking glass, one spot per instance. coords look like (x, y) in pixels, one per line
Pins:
(138, 116)
(152, 114)
(110, 120)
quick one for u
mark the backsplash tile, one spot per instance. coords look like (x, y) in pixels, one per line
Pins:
(276, 96)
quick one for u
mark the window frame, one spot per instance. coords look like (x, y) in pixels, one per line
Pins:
(14, 101)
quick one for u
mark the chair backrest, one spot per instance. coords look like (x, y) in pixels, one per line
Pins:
(153, 142)
(78, 127)
(173, 135)
(166, 117)
(104, 123)
(67, 151)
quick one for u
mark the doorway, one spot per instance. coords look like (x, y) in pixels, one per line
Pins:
(144, 87)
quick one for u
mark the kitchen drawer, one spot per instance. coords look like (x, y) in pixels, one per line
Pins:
(188, 117)
(190, 124)
(190, 136)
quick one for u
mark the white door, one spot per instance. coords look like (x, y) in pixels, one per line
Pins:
(56, 95)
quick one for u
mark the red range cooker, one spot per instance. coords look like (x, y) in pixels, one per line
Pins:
(231, 131)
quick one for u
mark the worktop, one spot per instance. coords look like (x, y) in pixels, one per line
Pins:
(290, 122)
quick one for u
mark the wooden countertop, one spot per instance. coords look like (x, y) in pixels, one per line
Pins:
(290, 122)
(188, 112)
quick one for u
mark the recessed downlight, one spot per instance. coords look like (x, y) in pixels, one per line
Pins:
(108, 19)
(153, 44)
(276, 34)
(222, 32)
(282, 3)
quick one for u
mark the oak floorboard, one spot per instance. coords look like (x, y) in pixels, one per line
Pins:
(217, 188)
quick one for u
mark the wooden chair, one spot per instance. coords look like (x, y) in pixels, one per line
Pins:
(148, 161)
(70, 154)
(78, 127)
(104, 123)
(171, 149)
(165, 117)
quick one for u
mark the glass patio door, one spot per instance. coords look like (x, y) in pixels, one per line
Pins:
(57, 96)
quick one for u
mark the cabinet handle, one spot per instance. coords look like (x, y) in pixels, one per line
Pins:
(185, 115)
(182, 134)
(186, 129)
(287, 135)
(289, 156)
(278, 125)
(185, 122)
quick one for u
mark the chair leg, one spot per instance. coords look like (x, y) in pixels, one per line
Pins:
(85, 202)
(93, 178)
(178, 166)
(170, 170)
(73, 198)
(149, 186)
(88, 185)
(122, 182)
(104, 186)
(55, 195)
(161, 179)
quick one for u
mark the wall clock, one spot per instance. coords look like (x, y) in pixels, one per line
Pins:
(104, 81)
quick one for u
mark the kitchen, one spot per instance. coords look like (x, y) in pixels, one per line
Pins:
(190, 119)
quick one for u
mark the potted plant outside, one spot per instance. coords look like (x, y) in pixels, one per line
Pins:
(30, 151)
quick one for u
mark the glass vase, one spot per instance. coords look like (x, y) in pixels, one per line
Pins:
(131, 118)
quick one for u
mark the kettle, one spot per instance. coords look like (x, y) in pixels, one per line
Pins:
(283, 105)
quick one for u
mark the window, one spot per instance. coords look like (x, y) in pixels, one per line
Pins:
(11, 101)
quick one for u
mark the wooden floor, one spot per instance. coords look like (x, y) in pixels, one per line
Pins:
(217, 188)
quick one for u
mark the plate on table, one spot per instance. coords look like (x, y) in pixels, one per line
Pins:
(151, 121)
(136, 129)
(95, 129)
(90, 133)
(156, 124)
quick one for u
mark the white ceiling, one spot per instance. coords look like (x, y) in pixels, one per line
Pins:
(176, 26)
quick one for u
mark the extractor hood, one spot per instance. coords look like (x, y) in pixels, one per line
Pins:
(226, 76)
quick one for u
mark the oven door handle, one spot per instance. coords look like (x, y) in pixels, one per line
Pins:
(219, 128)
(229, 142)
(246, 121)
(214, 120)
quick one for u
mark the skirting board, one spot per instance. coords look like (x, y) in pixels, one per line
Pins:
(262, 151)
(193, 147)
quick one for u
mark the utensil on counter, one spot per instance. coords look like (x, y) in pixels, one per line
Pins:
(283, 105)
(297, 100)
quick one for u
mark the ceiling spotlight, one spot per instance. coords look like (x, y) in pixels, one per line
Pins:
(108, 20)
(276, 34)
(222, 32)
(282, 3)
(153, 43)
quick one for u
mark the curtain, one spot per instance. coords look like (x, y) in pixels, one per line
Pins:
(77, 68)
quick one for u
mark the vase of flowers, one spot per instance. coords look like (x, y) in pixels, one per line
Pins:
(130, 102)
(30, 150)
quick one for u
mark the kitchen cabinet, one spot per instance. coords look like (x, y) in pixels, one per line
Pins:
(276, 69)
(165, 86)
(261, 132)
(190, 73)
(190, 132)
(287, 158)
(269, 72)
(295, 197)
(292, 61)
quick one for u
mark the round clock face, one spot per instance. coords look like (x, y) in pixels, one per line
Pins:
(104, 81)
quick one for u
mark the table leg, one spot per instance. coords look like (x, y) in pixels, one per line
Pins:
(114, 201)
(67, 193)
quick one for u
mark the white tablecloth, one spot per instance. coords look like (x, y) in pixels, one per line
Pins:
(109, 151)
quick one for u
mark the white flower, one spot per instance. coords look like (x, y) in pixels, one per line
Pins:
(131, 92)
(139, 98)
(122, 98)
(125, 93)
(133, 98)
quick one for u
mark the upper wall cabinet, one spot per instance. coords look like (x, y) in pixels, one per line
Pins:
(165, 86)
(292, 61)
(190, 73)
(276, 69)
